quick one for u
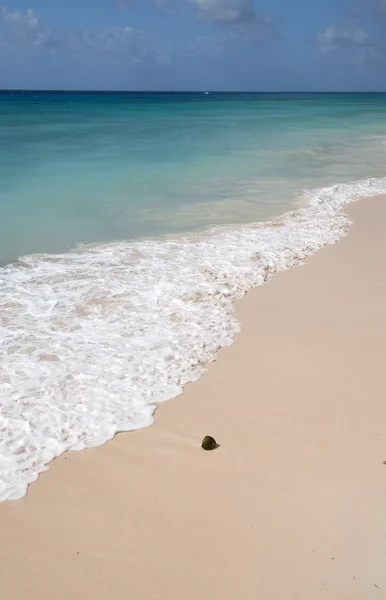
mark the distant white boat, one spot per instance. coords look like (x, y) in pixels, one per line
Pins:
(206, 93)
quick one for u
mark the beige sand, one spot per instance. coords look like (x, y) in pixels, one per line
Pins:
(292, 506)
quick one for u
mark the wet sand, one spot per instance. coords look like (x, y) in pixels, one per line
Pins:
(292, 505)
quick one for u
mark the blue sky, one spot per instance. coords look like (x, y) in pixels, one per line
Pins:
(193, 44)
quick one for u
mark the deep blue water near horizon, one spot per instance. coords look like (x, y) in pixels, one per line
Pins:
(101, 166)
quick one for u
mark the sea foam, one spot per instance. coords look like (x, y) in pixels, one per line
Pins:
(92, 339)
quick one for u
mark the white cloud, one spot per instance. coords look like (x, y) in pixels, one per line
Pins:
(20, 20)
(26, 27)
(238, 16)
(355, 45)
(130, 44)
(224, 11)
(334, 37)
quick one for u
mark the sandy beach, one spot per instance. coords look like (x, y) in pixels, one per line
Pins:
(290, 506)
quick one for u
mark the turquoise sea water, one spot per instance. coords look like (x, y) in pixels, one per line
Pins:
(139, 219)
(102, 167)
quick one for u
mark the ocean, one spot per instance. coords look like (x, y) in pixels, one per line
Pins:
(130, 223)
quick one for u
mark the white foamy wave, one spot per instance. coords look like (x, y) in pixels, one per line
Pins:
(90, 340)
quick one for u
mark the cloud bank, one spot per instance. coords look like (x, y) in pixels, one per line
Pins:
(197, 44)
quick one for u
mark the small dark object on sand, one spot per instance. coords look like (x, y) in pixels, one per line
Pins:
(384, 462)
(209, 443)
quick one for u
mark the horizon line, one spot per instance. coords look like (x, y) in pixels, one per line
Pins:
(186, 91)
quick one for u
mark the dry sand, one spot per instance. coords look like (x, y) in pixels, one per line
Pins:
(293, 503)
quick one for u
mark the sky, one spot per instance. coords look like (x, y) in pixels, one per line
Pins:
(235, 45)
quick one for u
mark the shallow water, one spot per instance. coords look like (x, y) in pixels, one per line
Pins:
(106, 167)
(92, 338)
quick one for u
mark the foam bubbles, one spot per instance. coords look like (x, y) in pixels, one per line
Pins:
(90, 340)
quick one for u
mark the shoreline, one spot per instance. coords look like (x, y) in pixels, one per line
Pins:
(292, 502)
(108, 324)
